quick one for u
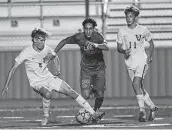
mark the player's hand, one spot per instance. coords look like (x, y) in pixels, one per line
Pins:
(149, 59)
(57, 74)
(89, 45)
(48, 57)
(127, 53)
(4, 91)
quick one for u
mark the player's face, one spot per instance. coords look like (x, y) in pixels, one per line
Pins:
(130, 19)
(88, 30)
(40, 42)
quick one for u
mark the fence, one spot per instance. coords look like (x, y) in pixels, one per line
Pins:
(13, 39)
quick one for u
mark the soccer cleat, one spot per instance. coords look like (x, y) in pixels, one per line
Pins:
(44, 121)
(142, 116)
(153, 112)
(97, 116)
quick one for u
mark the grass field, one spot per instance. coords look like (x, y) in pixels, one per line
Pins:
(120, 114)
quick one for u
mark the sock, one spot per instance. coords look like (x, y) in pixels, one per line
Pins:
(46, 106)
(140, 102)
(148, 101)
(82, 102)
(98, 103)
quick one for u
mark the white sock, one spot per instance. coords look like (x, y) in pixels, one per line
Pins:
(46, 106)
(148, 101)
(140, 102)
(82, 102)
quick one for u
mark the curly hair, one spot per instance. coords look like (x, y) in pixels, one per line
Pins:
(89, 20)
(39, 32)
(133, 9)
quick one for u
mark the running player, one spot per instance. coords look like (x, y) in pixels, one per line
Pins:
(92, 74)
(131, 42)
(40, 78)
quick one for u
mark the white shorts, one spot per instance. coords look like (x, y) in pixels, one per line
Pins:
(139, 71)
(53, 83)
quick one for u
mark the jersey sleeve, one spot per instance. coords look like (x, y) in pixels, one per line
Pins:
(119, 37)
(70, 40)
(50, 50)
(148, 35)
(21, 57)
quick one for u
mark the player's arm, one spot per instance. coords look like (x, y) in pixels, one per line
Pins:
(56, 62)
(68, 40)
(119, 48)
(10, 75)
(148, 37)
(102, 46)
(52, 55)
(150, 51)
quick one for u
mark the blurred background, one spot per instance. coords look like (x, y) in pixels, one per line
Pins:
(64, 18)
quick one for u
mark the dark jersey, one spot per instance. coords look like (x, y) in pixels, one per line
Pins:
(91, 59)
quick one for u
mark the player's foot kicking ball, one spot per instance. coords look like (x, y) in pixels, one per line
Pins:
(153, 112)
(142, 116)
(97, 117)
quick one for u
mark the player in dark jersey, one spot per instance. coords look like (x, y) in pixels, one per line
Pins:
(92, 74)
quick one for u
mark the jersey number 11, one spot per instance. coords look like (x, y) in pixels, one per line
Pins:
(130, 44)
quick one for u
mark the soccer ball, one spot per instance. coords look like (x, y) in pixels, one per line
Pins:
(83, 116)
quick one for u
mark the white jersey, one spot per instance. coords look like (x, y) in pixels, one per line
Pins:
(36, 69)
(134, 39)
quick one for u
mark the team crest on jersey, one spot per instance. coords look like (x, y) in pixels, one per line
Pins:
(138, 37)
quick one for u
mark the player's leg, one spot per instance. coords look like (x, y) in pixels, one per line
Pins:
(62, 87)
(147, 100)
(85, 84)
(139, 96)
(46, 96)
(100, 88)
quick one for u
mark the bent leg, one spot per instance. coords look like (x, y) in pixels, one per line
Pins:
(65, 89)
(85, 84)
(46, 96)
(100, 88)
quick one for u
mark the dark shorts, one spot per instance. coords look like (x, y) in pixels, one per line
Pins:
(93, 79)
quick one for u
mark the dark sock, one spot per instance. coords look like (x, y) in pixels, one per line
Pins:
(98, 103)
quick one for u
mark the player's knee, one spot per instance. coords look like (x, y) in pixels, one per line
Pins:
(73, 94)
(85, 94)
(47, 95)
(100, 94)
(135, 83)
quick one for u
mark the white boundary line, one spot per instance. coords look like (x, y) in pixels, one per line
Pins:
(67, 109)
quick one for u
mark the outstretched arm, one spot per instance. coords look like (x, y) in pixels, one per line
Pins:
(10, 74)
(60, 45)
(68, 40)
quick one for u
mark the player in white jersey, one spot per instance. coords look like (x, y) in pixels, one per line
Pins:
(40, 78)
(131, 42)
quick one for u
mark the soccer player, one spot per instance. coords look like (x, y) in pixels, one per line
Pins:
(131, 41)
(40, 78)
(92, 73)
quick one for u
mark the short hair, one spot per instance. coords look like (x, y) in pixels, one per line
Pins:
(133, 9)
(40, 32)
(89, 20)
